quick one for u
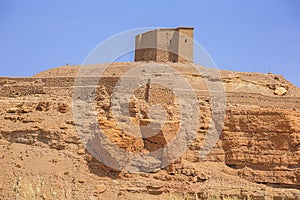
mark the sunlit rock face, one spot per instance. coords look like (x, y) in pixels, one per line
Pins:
(142, 152)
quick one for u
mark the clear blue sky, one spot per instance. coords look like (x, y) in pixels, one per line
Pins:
(252, 35)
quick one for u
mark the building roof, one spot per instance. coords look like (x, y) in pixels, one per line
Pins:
(180, 27)
(167, 29)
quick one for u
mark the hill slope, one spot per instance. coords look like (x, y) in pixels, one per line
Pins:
(257, 156)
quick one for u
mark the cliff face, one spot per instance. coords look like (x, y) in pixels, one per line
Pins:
(257, 155)
(263, 144)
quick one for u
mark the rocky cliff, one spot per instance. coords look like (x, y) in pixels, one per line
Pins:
(257, 155)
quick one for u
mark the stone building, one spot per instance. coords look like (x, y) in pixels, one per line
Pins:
(166, 44)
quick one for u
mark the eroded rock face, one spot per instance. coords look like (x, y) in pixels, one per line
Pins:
(263, 145)
(43, 157)
(280, 91)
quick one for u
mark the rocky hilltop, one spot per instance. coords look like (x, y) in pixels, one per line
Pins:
(257, 155)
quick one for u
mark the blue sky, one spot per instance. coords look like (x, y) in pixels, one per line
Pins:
(253, 35)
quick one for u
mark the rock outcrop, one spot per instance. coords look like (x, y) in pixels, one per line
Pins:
(257, 155)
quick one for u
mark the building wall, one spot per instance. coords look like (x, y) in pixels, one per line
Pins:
(162, 45)
(185, 43)
(173, 49)
(165, 44)
(145, 46)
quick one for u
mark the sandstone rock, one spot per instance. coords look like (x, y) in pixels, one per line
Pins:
(280, 91)
(25, 109)
(41, 155)
(4, 142)
(12, 110)
(81, 180)
(63, 107)
(100, 188)
(81, 151)
(43, 106)
(202, 177)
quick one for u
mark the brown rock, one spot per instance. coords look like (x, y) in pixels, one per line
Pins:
(63, 107)
(280, 91)
(100, 188)
(12, 110)
(81, 151)
(43, 106)
(81, 180)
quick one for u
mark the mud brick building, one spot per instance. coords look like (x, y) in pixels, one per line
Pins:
(166, 44)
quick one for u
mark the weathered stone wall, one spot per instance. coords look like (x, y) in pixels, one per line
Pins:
(145, 46)
(167, 45)
(145, 54)
(163, 45)
(11, 87)
(185, 45)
